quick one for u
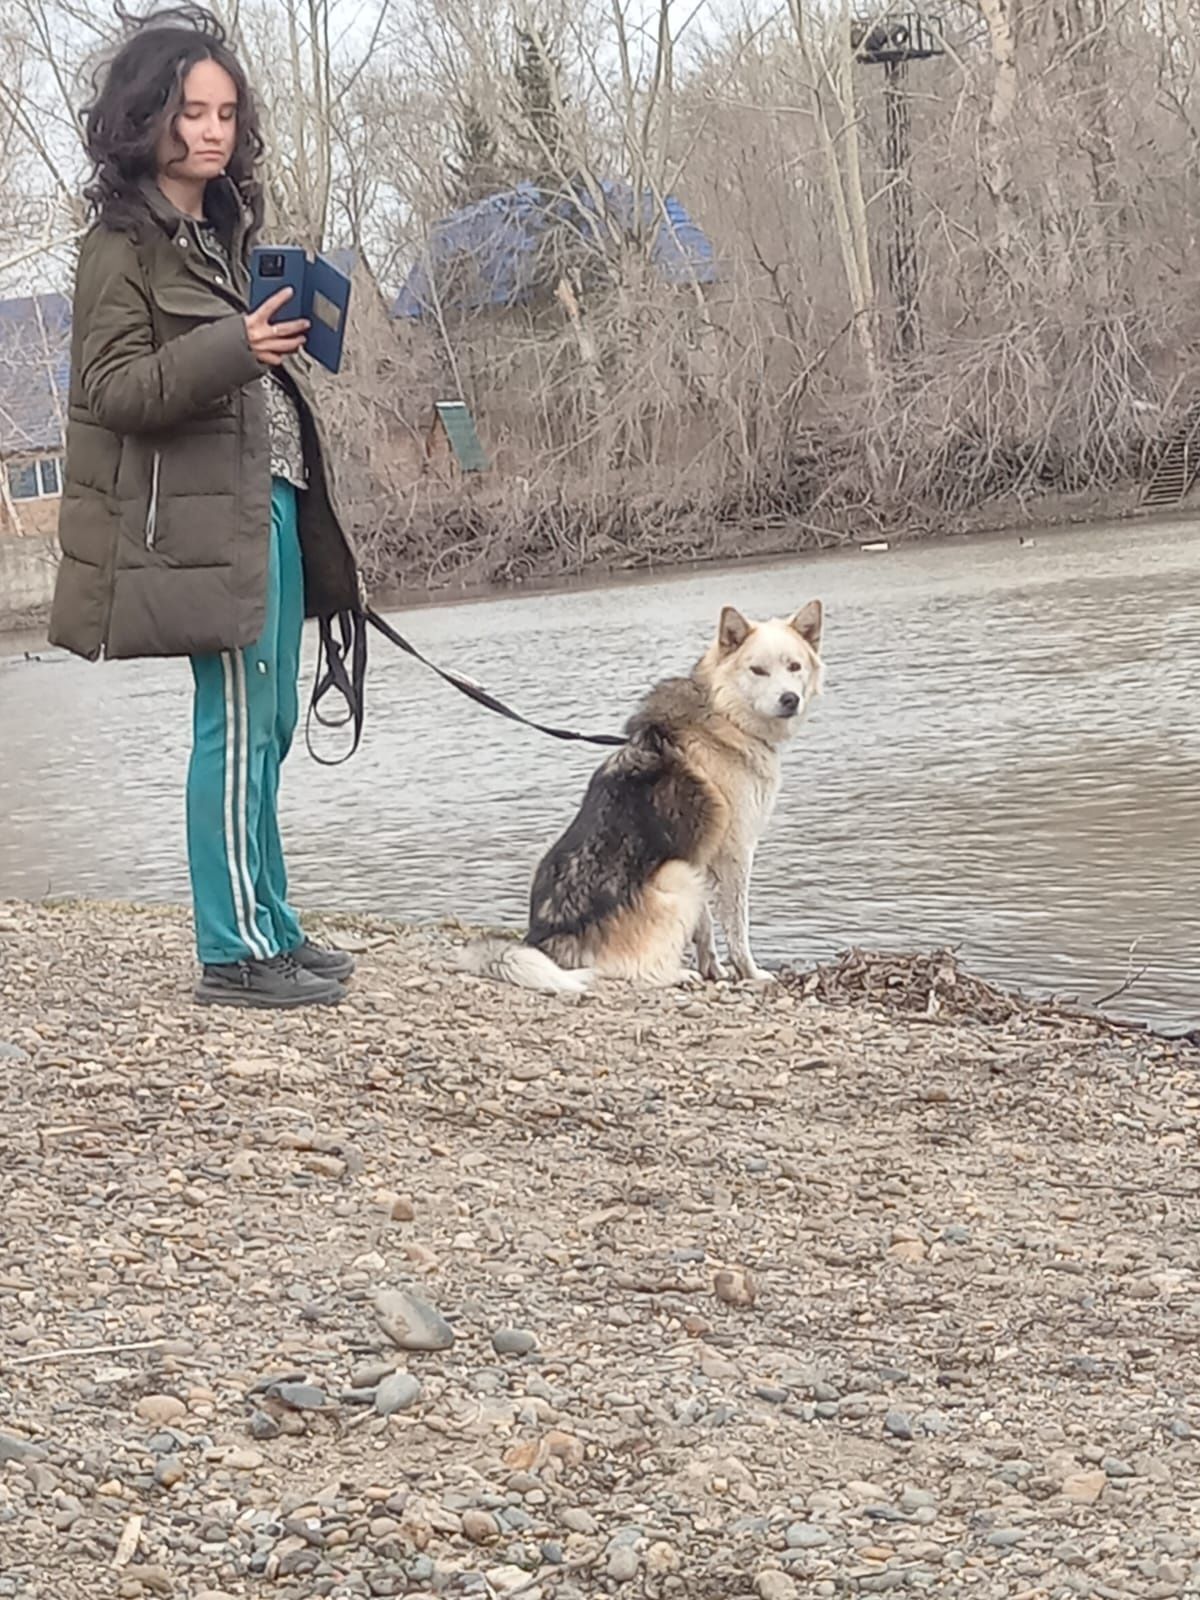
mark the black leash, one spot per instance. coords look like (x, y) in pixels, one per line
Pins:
(342, 670)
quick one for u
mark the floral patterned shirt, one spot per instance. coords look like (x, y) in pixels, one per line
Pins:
(283, 415)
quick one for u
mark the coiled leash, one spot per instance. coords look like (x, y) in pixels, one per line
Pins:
(342, 670)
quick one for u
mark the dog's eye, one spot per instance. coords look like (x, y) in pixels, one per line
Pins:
(793, 666)
(759, 672)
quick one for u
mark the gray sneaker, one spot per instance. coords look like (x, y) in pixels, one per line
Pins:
(324, 963)
(280, 984)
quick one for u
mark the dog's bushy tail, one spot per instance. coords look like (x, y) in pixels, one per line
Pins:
(523, 966)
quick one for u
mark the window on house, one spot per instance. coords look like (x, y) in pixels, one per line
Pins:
(35, 480)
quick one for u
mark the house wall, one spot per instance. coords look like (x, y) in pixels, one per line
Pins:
(35, 519)
(28, 552)
(27, 569)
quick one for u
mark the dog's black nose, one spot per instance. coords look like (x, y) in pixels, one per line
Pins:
(789, 700)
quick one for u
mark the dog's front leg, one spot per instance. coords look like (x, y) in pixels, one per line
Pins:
(706, 947)
(733, 906)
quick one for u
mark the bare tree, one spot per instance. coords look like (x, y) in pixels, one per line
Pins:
(640, 399)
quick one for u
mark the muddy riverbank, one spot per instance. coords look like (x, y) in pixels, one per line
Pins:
(399, 581)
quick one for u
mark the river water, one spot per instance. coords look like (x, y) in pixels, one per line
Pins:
(1006, 759)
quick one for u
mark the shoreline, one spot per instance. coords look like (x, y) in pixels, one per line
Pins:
(925, 986)
(739, 1294)
(763, 547)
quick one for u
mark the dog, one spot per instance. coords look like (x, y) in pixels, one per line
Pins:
(670, 823)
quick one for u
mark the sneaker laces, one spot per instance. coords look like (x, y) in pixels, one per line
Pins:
(285, 965)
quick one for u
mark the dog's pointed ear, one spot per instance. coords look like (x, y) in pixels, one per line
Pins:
(807, 623)
(733, 631)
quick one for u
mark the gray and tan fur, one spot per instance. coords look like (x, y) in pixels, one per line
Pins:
(668, 827)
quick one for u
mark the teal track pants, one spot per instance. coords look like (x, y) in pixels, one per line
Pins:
(246, 709)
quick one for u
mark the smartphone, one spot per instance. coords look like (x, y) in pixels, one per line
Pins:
(320, 295)
(275, 268)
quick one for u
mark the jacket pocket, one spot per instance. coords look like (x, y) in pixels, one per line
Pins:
(151, 528)
(191, 302)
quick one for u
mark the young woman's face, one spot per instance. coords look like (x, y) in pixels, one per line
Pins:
(206, 126)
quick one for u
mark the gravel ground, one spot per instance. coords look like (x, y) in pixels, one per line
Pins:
(721, 1294)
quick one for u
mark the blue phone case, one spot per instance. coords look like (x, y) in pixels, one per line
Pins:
(320, 293)
(327, 300)
(273, 268)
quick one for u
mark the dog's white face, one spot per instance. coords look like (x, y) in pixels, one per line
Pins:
(766, 673)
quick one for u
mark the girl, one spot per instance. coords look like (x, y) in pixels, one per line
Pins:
(198, 516)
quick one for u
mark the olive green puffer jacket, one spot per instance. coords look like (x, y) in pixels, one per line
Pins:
(165, 518)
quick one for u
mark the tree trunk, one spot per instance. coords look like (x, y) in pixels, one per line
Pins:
(849, 214)
(1000, 16)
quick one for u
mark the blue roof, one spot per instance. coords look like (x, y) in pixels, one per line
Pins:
(35, 360)
(486, 254)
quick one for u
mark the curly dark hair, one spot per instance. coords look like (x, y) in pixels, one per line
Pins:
(137, 92)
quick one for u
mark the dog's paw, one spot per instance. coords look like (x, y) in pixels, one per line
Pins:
(712, 971)
(688, 979)
(757, 974)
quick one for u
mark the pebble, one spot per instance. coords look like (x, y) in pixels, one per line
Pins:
(623, 1564)
(480, 1527)
(1085, 1488)
(299, 1396)
(153, 1577)
(325, 1166)
(768, 1392)
(735, 1286)
(399, 1392)
(411, 1323)
(915, 1499)
(807, 1536)
(396, 1207)
(662, 1558)
(13, 1448)
(899, 1424)
(262, 1426)
(371, 1374)
(505, 1579)
(160, 1409)
(775, 1585)
(43, 1479)
(169, 1471)
(243, 1165)
(240, 1459)
(1005, 1538)
(576, 1520)
(513, 1341)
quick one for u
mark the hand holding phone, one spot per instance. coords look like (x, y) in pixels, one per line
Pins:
(271, 342)
(316, 319)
